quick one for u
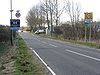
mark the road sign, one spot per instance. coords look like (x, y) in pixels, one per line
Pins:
(17, 14)
(88, 22)
(14, 24)
(88, 15)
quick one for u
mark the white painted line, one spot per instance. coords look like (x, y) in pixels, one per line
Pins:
(83, 55)
(44, 42)
(36, 39)
(53, 73)
(53, 45)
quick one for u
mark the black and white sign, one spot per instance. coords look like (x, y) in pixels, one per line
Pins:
(17, 14)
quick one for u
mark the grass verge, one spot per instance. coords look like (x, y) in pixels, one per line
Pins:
(88, 43)
(3, 48)
(7, 60)
(25, 63)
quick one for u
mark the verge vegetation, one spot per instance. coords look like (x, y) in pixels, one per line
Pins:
(86, 43)
(17, 59)
(26, 63)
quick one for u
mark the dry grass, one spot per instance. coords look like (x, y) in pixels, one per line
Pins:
(7, 62)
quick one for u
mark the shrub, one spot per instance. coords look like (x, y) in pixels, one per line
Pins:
(4, 33)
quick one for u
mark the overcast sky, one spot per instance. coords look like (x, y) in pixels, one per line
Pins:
(22, 5)
(25, 5)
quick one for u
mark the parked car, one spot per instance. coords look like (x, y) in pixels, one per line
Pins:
(40, 31)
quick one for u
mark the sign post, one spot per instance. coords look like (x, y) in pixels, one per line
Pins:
(88, 21)
(10, 24)
(14, 23)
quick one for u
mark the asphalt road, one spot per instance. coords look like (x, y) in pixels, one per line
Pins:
(65, 58)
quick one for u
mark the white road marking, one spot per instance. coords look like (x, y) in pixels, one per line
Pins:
(53, 45)
(37, 39)
(97, 59)
(44, 42)
(53, 73)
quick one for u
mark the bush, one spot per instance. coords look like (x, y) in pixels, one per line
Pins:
(4, 33)
(57, 30)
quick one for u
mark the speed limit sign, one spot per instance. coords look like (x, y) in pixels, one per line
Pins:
(88, 15)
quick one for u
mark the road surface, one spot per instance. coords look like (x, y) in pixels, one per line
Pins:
(65, 58)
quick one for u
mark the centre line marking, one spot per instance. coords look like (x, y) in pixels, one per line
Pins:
(44, 42)
(97, 59)
(53, 45)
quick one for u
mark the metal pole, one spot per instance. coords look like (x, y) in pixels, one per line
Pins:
(10, 24)
(85, 33)
(90, 33)
(11, 8)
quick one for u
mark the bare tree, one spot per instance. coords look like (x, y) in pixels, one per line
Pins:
(35, 18)
(42, 15)
(30, 18)
(49, 6)
(53, 12)
(73, 10)
(58, 11)
(45, 8)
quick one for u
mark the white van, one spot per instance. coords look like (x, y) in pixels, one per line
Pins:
(39, 31)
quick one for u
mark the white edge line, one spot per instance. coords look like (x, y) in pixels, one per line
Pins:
(53, 73)
(83, 55)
